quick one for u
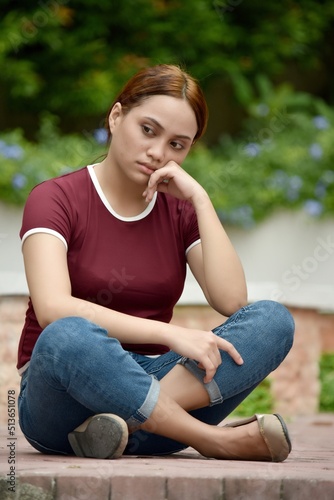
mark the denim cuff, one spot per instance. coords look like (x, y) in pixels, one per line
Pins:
(211, 387)
(144, 412)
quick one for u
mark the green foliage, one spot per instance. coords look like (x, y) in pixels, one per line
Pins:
(327, 383)
(283, 158)
(25, 164)
(259, 401)
(69, 57)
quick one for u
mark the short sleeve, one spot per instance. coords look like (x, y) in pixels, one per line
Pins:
(190, 226)
(48, 210)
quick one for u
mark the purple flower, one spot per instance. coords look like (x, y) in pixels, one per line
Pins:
(11, 151)
(328, 177)
(243, 216)
(320, 189)
(295, 182)
(313, 208)
(19, 181)
(262, 109)
(252, 149)
(315, 151)
(294, 186)
(279, 180)
(101, 135)
(320, 122)
(239, 216)
(66, 170)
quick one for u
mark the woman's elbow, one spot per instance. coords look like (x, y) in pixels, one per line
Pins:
(44, 319)
(229, 305)
(46, 314)
(233, 307)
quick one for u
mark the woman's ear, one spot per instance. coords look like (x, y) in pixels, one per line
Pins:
(114, 115)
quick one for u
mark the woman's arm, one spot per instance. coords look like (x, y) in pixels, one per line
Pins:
(215, 263)
(49, 285)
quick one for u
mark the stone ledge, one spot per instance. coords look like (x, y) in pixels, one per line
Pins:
(308, 472)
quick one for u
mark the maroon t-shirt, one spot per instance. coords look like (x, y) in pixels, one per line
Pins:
(135, 265)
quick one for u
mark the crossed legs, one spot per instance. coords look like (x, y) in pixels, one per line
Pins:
(64, 374)
(181, 392)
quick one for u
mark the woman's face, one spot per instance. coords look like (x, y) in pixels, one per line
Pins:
(160, 129)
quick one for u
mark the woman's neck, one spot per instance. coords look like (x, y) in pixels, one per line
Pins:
(124, 196)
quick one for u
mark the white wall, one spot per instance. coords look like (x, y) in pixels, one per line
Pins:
(12, 280)
(289, 257)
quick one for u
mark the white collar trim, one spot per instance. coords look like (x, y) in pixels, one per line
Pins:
(106, 203)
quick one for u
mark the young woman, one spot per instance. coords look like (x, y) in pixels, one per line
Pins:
(105, 251)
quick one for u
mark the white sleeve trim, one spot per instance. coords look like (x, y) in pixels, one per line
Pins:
(44, 230)
(192, 245)
(23, 368)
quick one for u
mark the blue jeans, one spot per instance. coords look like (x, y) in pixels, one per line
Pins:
(77, 371)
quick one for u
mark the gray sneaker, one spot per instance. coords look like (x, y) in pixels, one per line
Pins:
(101, 436)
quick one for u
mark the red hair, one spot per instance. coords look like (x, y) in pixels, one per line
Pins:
(164, 79)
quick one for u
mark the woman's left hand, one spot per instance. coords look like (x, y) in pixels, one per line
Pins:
(172, 179)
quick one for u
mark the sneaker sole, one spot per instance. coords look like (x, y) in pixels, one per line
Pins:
(101, 436)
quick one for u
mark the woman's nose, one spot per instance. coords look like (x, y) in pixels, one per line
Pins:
(156, 151)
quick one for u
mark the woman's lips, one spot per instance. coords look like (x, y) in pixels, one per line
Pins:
(146, 169)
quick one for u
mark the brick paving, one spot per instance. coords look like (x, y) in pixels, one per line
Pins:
(308, 473)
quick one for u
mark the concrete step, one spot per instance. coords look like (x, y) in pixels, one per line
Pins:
(308, 473)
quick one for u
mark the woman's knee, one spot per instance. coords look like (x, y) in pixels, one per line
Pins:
(67, 333)
(281, 320)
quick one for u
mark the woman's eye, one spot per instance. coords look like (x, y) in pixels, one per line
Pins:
(147, 130)
(176, 145)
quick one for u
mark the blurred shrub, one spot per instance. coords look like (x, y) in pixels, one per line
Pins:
(283, 159)
(70, 57)
(25, 164)
(327, 383)
(261, 400)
